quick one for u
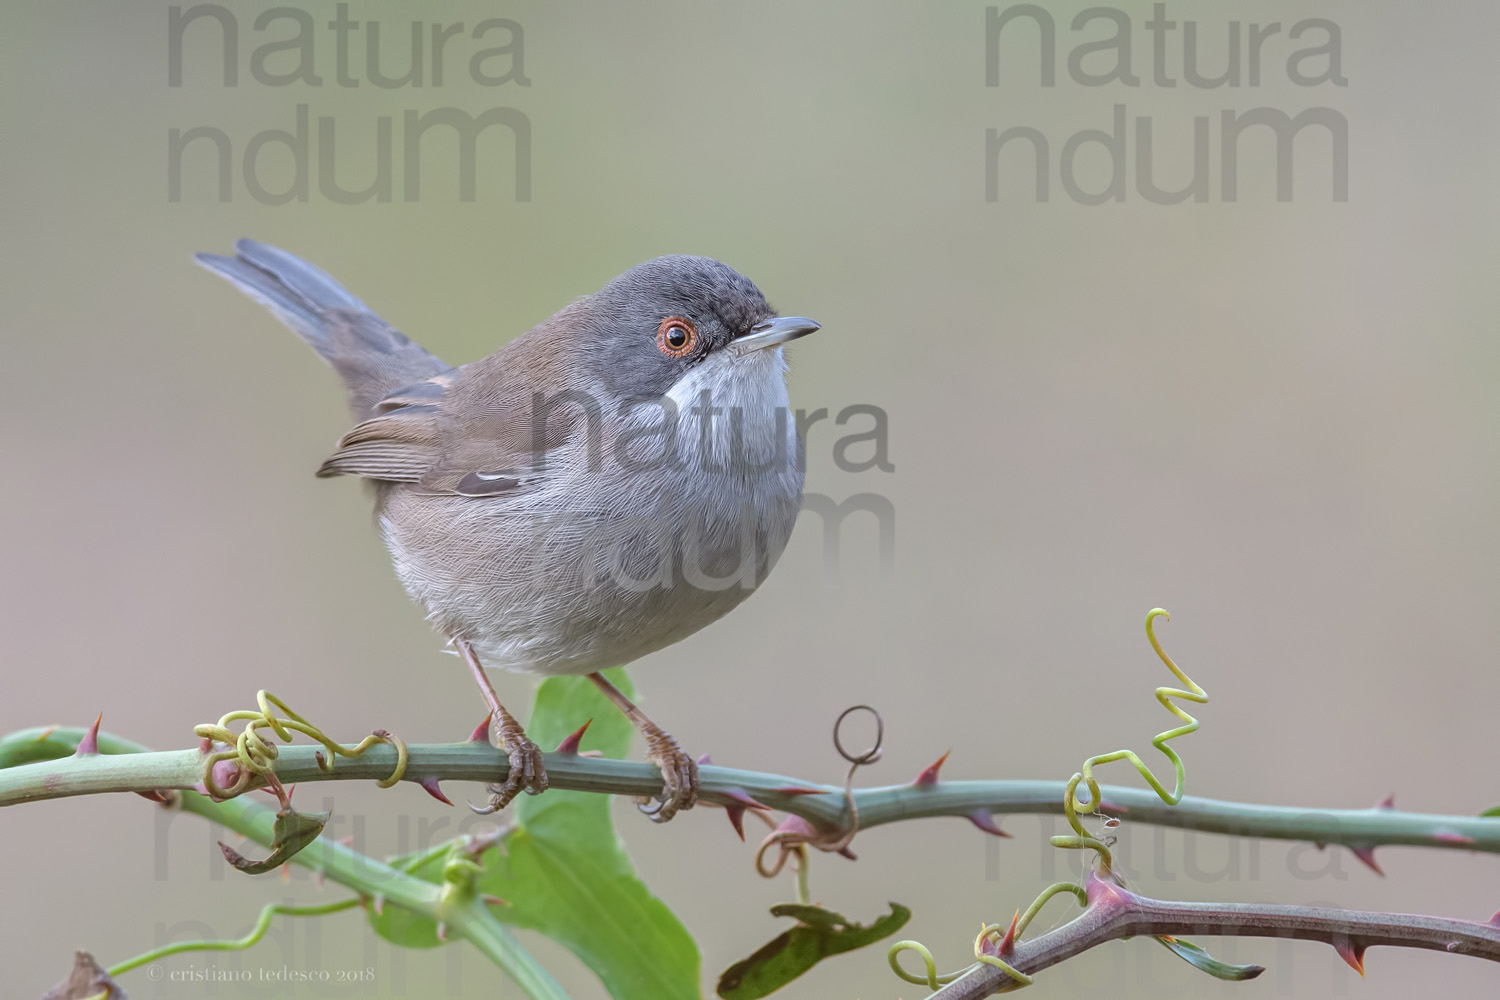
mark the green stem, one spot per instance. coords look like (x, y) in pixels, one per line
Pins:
(257, 932)
(369, 877)
(123, 767)
(480, 928)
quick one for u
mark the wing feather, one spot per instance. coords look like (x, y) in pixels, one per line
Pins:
(401, 446)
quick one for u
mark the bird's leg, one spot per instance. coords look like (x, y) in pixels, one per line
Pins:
(679, 772)
(526, 769)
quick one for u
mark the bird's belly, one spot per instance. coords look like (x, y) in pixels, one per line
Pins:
(537, 588)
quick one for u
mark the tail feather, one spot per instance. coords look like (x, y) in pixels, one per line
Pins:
(372, 357)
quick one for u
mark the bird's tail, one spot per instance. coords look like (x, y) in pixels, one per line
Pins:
(372, 357)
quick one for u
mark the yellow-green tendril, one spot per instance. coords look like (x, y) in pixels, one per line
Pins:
(987, 935)
(992, 936)
(932, 980)
(256, 933)
(1041, 900)
(1071, 805)
(257, 756)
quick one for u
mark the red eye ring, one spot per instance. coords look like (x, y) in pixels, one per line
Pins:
(676, 337)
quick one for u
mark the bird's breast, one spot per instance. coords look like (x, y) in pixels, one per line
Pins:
(625, 545)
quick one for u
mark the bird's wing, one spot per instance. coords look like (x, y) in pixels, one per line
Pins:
(464, 432)
(401, 443)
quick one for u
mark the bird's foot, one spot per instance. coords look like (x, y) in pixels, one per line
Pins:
(527, 772)
(679, 774)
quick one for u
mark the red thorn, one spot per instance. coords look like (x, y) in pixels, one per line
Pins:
(1389, 802)
(741, 798)
(430, 786)
(481, 733)
(442, 932)
(345, 841)
(929, 775)
(1448, 836)
(1496, 918)
(569, 746)
(792, 791)
(205, 745)
(705, 760)
(89, 745)
(1008, 943)
(378, 904)
(1366, 853)
(155, 795)
(844, 852)
(1352, 953)
(737, 819)
(986, 822)
(490, 899)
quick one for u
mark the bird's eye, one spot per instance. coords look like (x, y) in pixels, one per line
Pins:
(676, 337)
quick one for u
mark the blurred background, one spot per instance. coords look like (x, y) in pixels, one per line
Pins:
(1275, 417)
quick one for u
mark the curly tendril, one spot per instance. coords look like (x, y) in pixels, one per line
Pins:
(794, 840)
(986, 946)
(995, 939)
(1071, 805)
(256, 755)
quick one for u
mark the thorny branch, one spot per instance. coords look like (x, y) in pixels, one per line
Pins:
(53, 763)
(1114, 913)
(129, 767)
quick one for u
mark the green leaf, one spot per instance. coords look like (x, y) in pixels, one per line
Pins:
(1198, 958)
(292, 831)
(815, 916)
(1491, 812)
(819, 934)
(564, 873)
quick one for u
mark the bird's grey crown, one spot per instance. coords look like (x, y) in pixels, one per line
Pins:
(698, 288)
(623, 316)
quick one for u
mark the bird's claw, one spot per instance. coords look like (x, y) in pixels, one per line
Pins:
(527, 772)
(679, 774)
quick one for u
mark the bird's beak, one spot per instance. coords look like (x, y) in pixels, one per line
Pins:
(774, 333)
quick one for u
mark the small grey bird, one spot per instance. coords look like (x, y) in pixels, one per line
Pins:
(611, 481)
